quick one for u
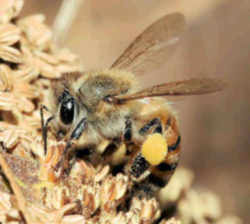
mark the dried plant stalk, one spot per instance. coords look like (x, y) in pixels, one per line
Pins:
(65, 18)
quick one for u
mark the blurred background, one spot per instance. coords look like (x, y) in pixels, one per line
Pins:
(215, 128)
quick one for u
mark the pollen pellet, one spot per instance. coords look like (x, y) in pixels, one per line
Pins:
(155, 149)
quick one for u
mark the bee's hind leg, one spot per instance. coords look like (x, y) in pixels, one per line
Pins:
(139, 164)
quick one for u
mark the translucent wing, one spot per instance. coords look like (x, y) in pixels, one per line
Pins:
(153, 46)
(179, 88)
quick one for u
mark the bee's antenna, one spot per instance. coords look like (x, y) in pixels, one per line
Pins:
(44, 126)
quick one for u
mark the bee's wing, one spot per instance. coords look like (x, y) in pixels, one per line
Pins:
(153, 46)
(179, 88)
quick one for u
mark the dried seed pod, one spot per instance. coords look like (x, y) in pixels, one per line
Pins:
(113, 190)
(27, 73)
(6, 82)
(100, 175)
(10, 138)
(147, 210)
(37, 33)
(9, 34)
(83, 172)
(73, 219)
(10, 54)
(56, 198)
(171, 221)
(7, 101)
(44, 215)
(53, 156)
(91, 200)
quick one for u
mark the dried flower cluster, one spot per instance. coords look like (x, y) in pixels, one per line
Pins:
(31, 191)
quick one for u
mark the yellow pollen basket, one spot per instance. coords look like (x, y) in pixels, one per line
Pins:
(155, 149)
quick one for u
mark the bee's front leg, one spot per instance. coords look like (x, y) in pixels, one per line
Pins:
(76, 134)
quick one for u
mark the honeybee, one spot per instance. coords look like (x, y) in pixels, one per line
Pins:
(106, 112)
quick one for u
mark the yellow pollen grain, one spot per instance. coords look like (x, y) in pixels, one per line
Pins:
(155, 149)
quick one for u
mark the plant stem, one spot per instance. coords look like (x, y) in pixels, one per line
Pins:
(64, 19)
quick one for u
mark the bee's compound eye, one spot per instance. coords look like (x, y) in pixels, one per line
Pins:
(67, 111)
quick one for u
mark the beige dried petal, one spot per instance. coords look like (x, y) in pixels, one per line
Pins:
(17, 7)
(90, 201)
(27, 73)
(7, 101)
(6, 79)
(117, 218)
(10, 54)
(83, 172)
(11, 10)
(9, 137)
(113, 189)
(25, 105)
(9, 34)
(53, 156)
(134, 218)
(23, 149)
(47, 70)
(37, 33)
(67, 68)
(37, 147)
(65, 55)
(73, 219)
(121, 186)
(5, 201)
(48, 58)
(148, 210)
(25, 89)
(171, 221)
(34, 120)
(56, 197)
(120, 218)
(50, 216)
(102, 173)
(30, 61)
(13, 214)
